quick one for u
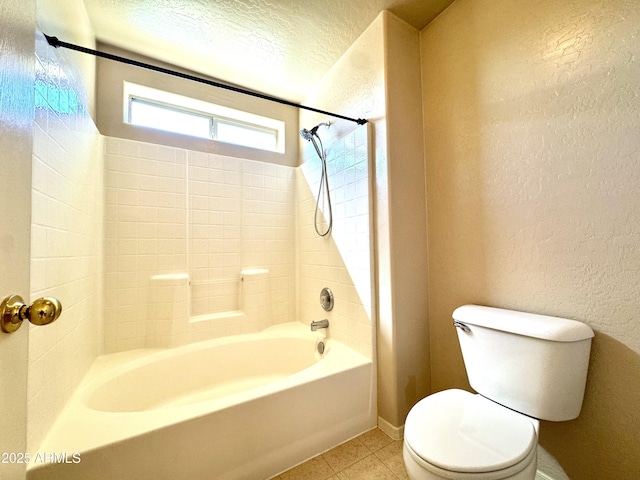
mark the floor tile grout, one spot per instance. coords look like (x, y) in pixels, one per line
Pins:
(371, 455)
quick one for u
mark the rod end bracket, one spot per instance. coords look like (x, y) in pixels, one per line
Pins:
(53, 41)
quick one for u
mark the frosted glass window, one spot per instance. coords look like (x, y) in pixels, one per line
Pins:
(248, 136)
(162, 117)
(181, 119)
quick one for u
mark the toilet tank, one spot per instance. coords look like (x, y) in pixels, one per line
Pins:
(534, 364)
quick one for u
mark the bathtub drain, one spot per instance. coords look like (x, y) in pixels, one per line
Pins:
(320, 348)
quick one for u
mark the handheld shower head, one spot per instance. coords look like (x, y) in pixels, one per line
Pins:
(306, 134)
(309, 134)
(324, 178)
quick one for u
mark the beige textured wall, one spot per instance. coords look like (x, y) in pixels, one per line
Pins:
(407, 217)
(532, 114)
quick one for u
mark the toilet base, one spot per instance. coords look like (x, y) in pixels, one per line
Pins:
(418, 469)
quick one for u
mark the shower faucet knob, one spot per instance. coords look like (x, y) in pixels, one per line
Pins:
(326, 298)
(42, 311)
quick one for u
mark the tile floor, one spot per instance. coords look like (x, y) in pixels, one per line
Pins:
(371, 456)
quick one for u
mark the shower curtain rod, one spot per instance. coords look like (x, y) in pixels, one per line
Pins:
(56, 43)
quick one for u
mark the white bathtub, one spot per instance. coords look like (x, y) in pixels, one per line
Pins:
(242, 407)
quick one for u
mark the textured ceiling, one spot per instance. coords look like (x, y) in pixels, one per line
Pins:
(279, 47)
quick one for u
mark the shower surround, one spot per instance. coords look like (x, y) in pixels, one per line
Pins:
(151, 246)
(201, 218)
(200, 246)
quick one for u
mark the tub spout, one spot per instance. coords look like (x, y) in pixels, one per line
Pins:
(319, 324)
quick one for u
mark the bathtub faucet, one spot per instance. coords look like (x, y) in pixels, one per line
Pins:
(319, 324)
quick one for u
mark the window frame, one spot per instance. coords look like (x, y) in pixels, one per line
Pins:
(215, 113)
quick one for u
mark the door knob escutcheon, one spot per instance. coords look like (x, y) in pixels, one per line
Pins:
(13, 311)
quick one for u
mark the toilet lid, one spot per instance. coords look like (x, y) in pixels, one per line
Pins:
(458, 431)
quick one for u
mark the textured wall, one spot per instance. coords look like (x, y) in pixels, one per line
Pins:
(533, 166)
(407, 217)
(283, 48)
(245, 43)
(17, 23)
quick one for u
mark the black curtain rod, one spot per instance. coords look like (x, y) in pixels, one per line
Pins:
(56, 43)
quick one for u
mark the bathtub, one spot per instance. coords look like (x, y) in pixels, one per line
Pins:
(242, 407)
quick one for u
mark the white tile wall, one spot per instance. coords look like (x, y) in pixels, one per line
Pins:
(173, 211)
(66, 238)
(145, 236)
(341, 261)
(241, 215)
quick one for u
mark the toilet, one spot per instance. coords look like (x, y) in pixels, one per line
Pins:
(524, 367)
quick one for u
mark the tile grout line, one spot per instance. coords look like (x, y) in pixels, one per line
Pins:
(373, 442)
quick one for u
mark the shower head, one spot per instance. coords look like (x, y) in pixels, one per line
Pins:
(308, 134)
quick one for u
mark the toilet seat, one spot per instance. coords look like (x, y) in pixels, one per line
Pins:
(458, 432)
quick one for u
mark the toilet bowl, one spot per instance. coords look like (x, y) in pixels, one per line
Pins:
(524, 367)
(469, 437)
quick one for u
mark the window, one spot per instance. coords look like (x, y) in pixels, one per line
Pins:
(226, 130)
(163, 117)
(148, 107)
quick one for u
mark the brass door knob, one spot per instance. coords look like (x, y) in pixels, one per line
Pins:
(13, 311)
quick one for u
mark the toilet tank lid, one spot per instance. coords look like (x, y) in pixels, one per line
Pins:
(521, 323)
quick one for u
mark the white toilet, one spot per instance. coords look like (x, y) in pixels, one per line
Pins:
(524, 367)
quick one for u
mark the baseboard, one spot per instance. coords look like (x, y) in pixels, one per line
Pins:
(397, 433)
